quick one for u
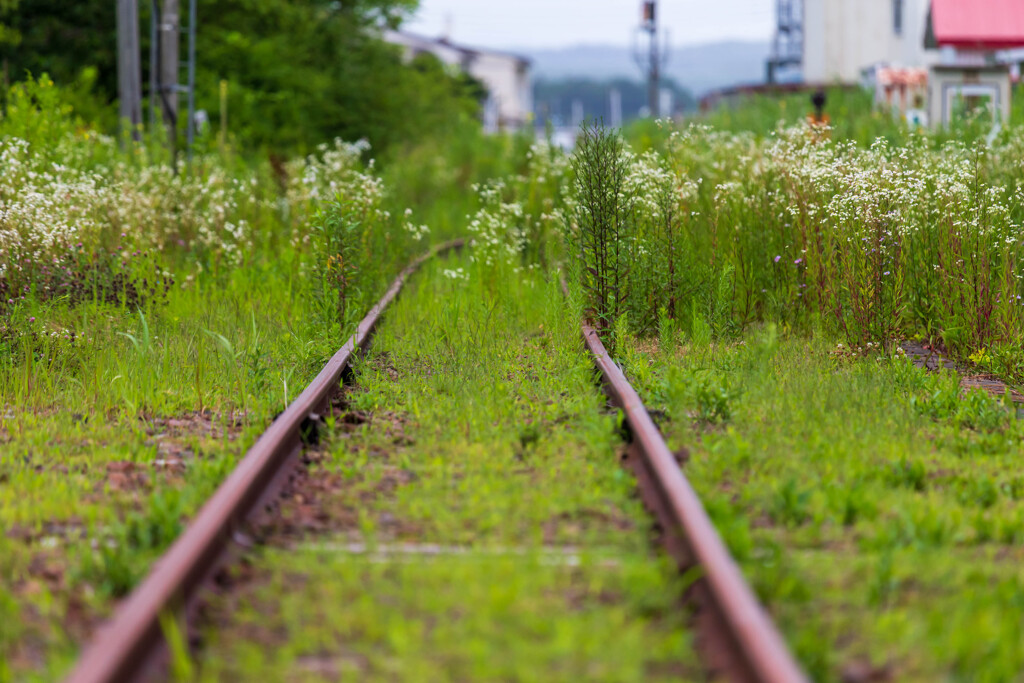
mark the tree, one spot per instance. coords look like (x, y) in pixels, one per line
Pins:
(298, 71)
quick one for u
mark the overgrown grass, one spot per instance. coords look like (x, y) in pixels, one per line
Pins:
(911, 238)
(153, 324)
(874, 507)
(484, 436)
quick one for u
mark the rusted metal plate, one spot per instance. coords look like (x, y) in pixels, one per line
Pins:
(928, 358)
(737, 639)
(125, 648)
(924, 356)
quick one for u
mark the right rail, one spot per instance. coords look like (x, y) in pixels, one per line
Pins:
(735, 634)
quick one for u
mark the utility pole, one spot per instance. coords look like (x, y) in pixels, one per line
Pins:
(129, 69)
(165, 70)
(651, 61)
(169, 28)
(577, 113)
(190, 131)
(615, 107)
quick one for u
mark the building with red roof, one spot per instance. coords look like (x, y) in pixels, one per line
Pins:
(970, 77)
(977, 25)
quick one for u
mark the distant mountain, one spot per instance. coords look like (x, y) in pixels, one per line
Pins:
(698, 68)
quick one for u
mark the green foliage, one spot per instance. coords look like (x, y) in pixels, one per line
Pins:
(121, 557)
(36, 112)
(882, 500)
(298, 73)
(518, 217)
(353, 256)
(62, 39)
(712, 400)
(10, 37)
(336, 269)
(668, 332)
(601, 231)
(939, 396)
(302, 72)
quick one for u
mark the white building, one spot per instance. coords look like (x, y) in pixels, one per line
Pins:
(509, 104)
(842, 38)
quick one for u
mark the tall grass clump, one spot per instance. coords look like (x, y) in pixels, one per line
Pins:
(601, 230)
(639, 245)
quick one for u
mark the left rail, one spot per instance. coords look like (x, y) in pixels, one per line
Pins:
(130, 644)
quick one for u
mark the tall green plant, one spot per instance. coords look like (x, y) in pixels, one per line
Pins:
(601, 229)
(337, 263)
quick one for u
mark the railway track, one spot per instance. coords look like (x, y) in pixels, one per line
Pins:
(132, 643)
(735, 637)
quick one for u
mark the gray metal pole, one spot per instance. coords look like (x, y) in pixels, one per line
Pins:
(129, 71)
(191, 76)
(170, 25)
(653, 94)
(154, 40)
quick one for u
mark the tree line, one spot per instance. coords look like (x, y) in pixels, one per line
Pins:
(298, 72)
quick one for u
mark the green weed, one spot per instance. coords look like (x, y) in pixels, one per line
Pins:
(509, 460)
(878, 494)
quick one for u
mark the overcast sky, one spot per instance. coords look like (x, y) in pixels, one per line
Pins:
(558, 23)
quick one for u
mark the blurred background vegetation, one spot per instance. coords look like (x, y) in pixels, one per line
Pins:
(298, 72)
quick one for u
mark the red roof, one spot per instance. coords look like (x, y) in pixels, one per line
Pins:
(979, 24)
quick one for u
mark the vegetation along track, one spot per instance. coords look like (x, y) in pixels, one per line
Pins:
(463, 517)
(133, 639)
(873, 505)
(739, 640)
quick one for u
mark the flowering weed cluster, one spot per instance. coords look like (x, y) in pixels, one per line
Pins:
(519, 217)
(872, 244)
(82, 220)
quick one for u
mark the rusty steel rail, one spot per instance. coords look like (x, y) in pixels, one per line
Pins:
(735, 635)
(129, 645)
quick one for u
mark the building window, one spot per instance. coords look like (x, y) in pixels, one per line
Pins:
(897, 17)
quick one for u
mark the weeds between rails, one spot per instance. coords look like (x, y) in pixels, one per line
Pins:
(470, 519)
(334, 505)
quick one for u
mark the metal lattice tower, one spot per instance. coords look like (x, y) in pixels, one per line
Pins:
(655, 57)
(788, 45)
